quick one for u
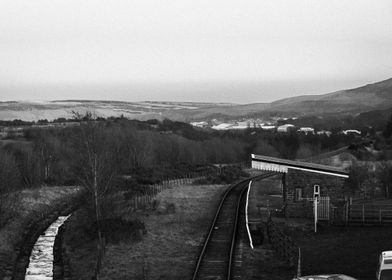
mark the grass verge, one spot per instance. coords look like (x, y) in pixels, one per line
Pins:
(174, 232)
(349, 250)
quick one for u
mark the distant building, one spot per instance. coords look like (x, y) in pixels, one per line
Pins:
(306, 130)
(351, 131)
(324, 132)
(241, 125)
(268, 127)
(223, 126)
(199, 124)
(286, 128)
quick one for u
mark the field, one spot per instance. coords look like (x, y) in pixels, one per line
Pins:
(162, 244)
(27, 207)
(349, 250)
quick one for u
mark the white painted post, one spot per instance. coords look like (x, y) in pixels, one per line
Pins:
(315, 213)
(246, 216)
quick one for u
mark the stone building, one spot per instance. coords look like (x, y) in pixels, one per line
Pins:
(301, 180)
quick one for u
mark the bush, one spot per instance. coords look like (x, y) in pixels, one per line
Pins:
(229, 174)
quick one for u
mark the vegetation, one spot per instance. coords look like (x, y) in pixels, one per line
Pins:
(114, 156)
(348, 250)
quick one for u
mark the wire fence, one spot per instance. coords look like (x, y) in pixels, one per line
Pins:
(143, 202)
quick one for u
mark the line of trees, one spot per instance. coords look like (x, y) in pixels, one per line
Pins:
(159, 147)
(98, 152)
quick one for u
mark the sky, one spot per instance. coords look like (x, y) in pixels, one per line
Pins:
(191, 50)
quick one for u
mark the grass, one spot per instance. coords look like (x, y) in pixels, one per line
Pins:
(349, 250)
(28, 205)
(169, 248)
(80, 245)
(27, 202)
(264, 263)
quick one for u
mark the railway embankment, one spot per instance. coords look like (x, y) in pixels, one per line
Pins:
(33, 211)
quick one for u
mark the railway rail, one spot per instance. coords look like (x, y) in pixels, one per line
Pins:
(216, 259)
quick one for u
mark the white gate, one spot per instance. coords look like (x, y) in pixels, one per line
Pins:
(323, 208)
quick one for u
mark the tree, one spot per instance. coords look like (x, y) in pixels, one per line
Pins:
(388, 129)
(385, 176)
(93, 165)
(45, 145)
(9, 174)
(265, 149)
(9, 182)
(357, 178)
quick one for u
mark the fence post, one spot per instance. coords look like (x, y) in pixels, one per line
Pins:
(346, 214)
(363, 213)
(299, 263)
(379, 217)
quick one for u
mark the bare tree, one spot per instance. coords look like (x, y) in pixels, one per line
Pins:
(358, 175)
(93, 165)
(385, 176)
(9, 182)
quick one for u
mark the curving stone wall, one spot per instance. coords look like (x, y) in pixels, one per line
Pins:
(41, 259)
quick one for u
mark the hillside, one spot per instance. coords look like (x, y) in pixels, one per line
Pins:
(375, 96)
(351, 102)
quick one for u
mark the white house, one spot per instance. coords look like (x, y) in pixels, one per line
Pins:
(306, 130)
(199, 124)
(267, 127)
(351, 131)
(286, 128)
(223, 126)
(324, 132)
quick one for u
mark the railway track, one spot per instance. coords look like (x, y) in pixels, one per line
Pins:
(216, 258)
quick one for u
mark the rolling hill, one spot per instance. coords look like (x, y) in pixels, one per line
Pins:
(377, 96)
(372, 97)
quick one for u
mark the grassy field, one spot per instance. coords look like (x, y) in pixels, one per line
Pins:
(27, 206)
(27, 202)
(349, 250)
(175, 231)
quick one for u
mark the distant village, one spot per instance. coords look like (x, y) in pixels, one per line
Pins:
(11, 131)
(268, 126)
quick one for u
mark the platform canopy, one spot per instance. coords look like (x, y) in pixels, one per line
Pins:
(283, 165)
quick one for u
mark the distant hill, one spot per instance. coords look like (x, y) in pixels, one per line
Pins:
(351, 102)
(375, 96)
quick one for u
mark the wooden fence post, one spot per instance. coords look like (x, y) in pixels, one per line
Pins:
(346, 214)
(379, 217)
(299, 263)
(363, 213)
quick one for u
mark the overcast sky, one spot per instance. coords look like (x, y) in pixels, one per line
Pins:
(196, 50)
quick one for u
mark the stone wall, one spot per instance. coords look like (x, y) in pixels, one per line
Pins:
(331, 186)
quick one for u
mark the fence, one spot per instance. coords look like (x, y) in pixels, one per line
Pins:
(144, 201)
(284, 245)
(368, 214)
